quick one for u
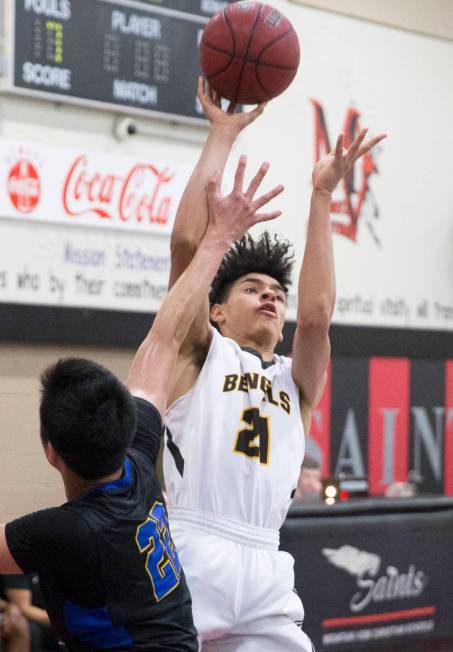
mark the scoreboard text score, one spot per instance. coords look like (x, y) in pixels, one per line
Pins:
(133, 56)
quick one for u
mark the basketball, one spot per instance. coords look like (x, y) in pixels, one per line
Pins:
(249, 52)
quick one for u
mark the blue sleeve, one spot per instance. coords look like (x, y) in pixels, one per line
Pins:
(149, 430)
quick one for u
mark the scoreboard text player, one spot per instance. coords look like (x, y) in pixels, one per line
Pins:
(139, 56)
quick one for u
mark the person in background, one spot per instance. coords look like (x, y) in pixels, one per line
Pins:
(14, 635)
(24, 592)
(309, 485)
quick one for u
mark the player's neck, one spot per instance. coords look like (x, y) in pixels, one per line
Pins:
(265, 349)
(75, 486)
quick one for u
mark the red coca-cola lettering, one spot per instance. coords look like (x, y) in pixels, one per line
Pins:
(140, 206)
(137, 197)
(88, 193)
(24, 186)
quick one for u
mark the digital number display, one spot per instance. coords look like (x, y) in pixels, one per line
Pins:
(134, 55)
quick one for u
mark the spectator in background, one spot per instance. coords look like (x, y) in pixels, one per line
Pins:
(24, 592)
(14, 636)
(309, 485)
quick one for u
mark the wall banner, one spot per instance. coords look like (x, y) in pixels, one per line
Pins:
(41, 183)
(389, 420)
(370, 579)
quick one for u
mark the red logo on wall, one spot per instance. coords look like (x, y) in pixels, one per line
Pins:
(24, 186)
(139, 196)
(356, 201)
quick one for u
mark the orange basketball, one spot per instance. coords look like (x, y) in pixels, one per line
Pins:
(249, 52)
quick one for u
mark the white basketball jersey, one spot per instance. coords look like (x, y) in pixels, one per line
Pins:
(235, 441)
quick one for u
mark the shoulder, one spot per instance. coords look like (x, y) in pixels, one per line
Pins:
(148, 431)
(38, 539)
(148, 415)
(191, 362)
(45, 524)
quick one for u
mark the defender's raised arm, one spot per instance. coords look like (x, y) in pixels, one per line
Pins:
(228, 219)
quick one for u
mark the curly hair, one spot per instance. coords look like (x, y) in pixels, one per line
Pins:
(266, 255)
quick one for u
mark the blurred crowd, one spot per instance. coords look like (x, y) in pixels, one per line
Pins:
(24, 622)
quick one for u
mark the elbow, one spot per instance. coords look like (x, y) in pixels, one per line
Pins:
(182, 245)
(316, 317)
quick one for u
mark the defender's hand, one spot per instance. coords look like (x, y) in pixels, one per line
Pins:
(333, 167)
(211, 104)
(231, 216)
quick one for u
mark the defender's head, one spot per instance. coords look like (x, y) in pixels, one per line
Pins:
(87, 416)
(248, 294)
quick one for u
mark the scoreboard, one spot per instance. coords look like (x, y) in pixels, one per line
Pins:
(134, 56)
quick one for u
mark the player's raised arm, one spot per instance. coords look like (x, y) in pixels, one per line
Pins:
(316, 292)
(228, 219)
(192, 214)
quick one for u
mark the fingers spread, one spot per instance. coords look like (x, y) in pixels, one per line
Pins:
(265, 217)
(217, 100)
(200, 88)
(257, 179)
(339, 147)
(369, 145)
(352, 151)
(239, 176)
(265, 199)
(257, 111)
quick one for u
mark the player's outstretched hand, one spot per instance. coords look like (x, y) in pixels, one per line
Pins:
(211, 103)
(231, 216)
(333, 167)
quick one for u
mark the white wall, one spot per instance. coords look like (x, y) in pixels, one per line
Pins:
(400, 83)
(432, 17)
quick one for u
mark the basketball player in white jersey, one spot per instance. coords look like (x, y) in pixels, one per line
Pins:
(238, 413)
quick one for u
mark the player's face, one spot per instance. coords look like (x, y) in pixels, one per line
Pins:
(309, 482)
(255, 309)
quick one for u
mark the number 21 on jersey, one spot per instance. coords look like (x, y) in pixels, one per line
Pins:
(162, 563)
(255, 440)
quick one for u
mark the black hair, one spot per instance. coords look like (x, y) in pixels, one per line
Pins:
(310, 463)
(87, 415)
(266, 255)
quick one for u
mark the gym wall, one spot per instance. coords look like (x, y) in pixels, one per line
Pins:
(393, 240)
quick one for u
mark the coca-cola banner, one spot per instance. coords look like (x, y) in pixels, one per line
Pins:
(88, 188)
(373, 574)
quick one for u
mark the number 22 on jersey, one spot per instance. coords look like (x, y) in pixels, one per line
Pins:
(255, 440)
(162, 563)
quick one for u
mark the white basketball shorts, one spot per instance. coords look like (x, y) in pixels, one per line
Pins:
(243, 596)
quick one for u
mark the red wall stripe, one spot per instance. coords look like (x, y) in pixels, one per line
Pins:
(388, 422)
(448, 451)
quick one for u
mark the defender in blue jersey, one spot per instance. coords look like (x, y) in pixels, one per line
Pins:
(108, 569)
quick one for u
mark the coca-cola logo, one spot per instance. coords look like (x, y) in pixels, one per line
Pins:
(24, 186)
(392, 584)
(140, 196)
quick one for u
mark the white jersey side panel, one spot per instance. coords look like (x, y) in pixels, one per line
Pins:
(235, 441)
